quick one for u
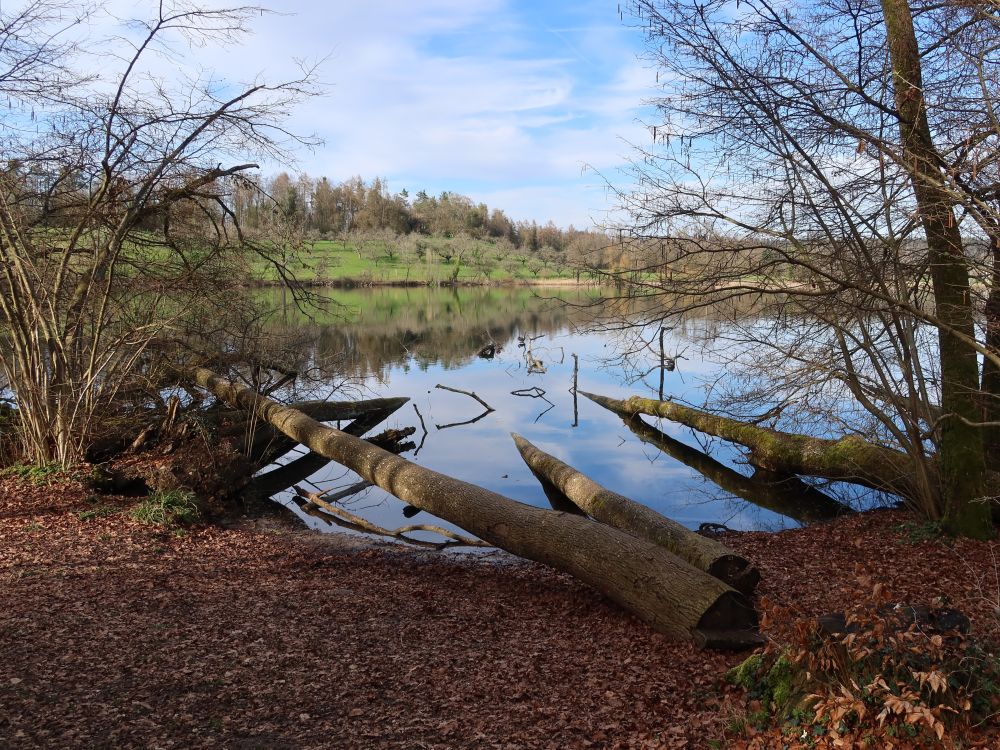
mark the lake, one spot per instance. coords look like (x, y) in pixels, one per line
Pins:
(514, 348)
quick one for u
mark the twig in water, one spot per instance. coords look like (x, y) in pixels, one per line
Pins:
(467, 421)
(466, 393)
(488, 408)
(423, 427)
(545, 411)
(533, 392)
(576, 372)
(316, 506)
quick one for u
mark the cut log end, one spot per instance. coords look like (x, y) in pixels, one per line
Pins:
(572, 491)
(731, 611)
(736, 571)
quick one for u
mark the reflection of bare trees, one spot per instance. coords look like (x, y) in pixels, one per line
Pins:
(423, 327)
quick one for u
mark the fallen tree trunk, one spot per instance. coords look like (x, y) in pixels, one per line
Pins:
(848, 459)
(282, 478)
(321, 411)
(268, 443)
(636, 519)
(785, 494)
(657, 586)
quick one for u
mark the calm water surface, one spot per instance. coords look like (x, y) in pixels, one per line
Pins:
(404, 342)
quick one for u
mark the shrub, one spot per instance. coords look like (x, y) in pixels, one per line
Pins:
(168, 508)
(886, 681)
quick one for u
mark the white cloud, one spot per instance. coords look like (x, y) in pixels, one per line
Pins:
(476, 96)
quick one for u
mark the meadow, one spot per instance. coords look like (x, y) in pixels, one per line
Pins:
(428, 260)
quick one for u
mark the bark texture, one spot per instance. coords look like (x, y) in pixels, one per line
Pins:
(623, 513)
(962, 458)
(268, 443)
(848, 459)
(669, 594)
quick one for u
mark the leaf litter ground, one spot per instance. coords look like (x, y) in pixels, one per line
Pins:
(117, 634)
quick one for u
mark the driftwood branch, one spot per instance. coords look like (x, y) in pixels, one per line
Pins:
(316, 506)
(533, 392)
(488, 409)
(466, 393)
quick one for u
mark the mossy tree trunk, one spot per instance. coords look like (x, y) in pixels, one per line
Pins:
(780, 492)
(962, 459)
(848, 459)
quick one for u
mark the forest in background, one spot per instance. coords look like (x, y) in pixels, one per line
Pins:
(399, 237)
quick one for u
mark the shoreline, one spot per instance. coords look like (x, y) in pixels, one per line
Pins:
(349, 283)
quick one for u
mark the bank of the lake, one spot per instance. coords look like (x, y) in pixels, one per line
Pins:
(441, 261)
(122, 634)
(366, 282)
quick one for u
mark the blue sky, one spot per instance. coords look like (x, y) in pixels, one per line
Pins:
(502, 100)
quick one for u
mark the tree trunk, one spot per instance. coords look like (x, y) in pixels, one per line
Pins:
(779, 492)
(848, 459)
(634, 518)
(990, 384)
(282, 478)
(962, 459)
(321, 411)
(268, 443)
(652, 583)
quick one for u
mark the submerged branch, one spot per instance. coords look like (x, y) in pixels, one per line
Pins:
(362, 524)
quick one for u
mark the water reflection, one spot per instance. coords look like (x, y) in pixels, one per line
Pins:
(784, 494)
(384, 331)
(405, 342)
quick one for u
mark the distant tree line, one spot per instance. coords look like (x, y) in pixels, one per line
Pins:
(355, 206)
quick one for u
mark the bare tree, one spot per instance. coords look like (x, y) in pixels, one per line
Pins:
(117, 201)
(840, 158)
